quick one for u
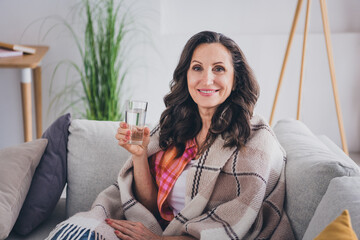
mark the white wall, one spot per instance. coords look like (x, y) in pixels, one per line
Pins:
(260, 28)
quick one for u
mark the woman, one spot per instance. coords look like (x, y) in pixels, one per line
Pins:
(211, 169)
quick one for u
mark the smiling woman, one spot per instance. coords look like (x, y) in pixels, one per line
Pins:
(213, 92)
(210, 170)
(210, 77)
(210, 80)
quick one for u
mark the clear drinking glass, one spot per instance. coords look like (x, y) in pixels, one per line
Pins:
(135, 114)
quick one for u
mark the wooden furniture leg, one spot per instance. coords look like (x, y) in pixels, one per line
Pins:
(38, 100)
(303, 58)
(332, 73)
(26, 103)
(292, 33)
(28, 64)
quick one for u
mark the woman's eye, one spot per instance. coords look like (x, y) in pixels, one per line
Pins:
(196, 68)
(219, 69)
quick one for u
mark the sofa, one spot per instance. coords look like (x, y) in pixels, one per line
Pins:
(322, 181)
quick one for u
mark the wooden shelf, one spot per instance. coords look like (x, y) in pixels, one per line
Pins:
(26, 60)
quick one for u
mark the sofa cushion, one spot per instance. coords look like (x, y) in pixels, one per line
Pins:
(342, 193)
(94, 160)
(340, 228)
(310, 167)
(49, 178)
(18, 165)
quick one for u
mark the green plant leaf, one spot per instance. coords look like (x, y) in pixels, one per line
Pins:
(103, 71)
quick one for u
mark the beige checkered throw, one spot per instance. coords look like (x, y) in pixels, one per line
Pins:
(230, 194)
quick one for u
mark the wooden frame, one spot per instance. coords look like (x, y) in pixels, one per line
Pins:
(330, 59)
(30, 69)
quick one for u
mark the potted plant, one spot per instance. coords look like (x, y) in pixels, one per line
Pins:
(102, 71)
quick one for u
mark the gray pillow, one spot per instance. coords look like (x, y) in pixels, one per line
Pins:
(49, 178)
(94, 160)
(342, 193)
(17, 167)
(310, 167)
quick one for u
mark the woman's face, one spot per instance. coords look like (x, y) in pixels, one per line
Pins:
(210, 76)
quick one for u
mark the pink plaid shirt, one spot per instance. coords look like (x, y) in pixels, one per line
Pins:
(166, 169)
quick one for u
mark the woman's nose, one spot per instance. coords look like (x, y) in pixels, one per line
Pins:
(208, 77)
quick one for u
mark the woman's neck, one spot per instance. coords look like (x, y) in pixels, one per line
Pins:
(206, 116)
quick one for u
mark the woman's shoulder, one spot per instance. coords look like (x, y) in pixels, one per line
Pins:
(262, 135)
(258, 119)
(258, 123)
(153, 146)
(154, 128)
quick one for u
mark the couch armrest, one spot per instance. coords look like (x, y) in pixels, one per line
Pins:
(335, 148)
(311, 165)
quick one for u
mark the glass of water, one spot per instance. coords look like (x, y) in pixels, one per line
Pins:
(135, 113)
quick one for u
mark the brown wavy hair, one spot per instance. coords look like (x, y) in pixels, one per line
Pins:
(181, 120)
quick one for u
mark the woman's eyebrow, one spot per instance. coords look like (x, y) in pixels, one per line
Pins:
(196, 61)
(220, 62)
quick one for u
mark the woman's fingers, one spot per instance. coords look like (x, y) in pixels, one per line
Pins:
(122, 236)
(123, 229)
(146, 132)
(146, 138)
(125, 232)
(123, 134)
(131, 230)
(123, 128)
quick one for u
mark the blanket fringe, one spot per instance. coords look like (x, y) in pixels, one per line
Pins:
(73, 231)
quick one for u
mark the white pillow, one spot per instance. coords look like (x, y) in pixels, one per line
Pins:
(17, 167)
(94, 161)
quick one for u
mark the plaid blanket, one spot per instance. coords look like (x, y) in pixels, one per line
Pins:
(230, 194)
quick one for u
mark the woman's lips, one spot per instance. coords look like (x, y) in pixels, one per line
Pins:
(207, 92)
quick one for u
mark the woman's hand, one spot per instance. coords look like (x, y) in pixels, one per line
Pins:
(123, 137)
(127, 230)
(144, 186)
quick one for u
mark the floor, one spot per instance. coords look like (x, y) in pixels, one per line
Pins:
(355, 156)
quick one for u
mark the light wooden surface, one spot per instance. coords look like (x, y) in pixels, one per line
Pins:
(291, 37)
(331, 66)
(332, 74)
(28, 61)
(306, 31)
(26, 108)
(38, 100)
